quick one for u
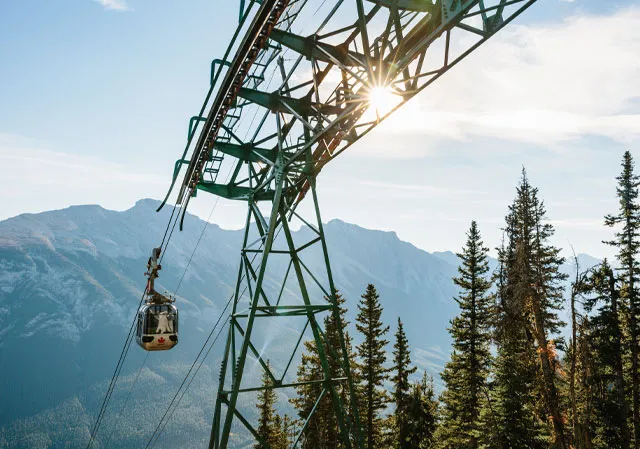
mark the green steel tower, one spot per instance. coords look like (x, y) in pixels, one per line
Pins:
(301, 81)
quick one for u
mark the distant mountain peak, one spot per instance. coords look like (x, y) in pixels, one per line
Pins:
(336, 222)
(448, 256)
(147, 203)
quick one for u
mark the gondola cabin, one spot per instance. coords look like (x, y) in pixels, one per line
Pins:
(157, 327)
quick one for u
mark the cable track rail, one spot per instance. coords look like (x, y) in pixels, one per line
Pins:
(166, 238)
(253, 42)
(181, 202)
(264, 21)
(415, 47)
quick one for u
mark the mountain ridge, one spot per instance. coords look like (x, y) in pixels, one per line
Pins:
(70, 281)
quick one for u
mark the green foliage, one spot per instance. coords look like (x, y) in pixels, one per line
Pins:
(627, 241)
(422, 415)
(323, 431)
(269, 423)
(513, 407)
(402, 388)
(466, 374)
(609, 410)
(529, 296)
(372, 357)
(282, 432)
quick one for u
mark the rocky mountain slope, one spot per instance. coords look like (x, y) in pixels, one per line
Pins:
(70, 282)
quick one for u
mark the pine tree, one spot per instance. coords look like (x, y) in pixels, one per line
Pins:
(372, 357)
(545, 302)
(529, 297)
(422, 415)
(582, 415)
(512, 411)
(289, 429)
(513, 377)
(402, 388)
(268, 427)
(322, 431)
(578, 358)
(310, 370)
(281, 435)
(333, 326)
(389, 434)
(627, 240)
(606, 377)
(465, 376)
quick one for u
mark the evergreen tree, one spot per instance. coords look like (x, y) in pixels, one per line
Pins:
(322, 431)
(281, 432)
(389, 434)
(627, 240)
(545, 302)
(582, 413)
(402, 387)
(606, 377)
(268, 420)
(422, 413)
(372, 357)
(513, 408)
(310, 370)
(529, 296)
(465, 376)
(333, 326)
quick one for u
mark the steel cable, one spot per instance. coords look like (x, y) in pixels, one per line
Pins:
(127, 344)
(126, 401)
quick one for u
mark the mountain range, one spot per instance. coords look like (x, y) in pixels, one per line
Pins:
(70, 283)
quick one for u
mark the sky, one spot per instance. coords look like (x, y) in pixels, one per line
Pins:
(95, 98)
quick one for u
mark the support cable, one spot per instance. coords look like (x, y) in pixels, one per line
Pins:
(158, 431)
(211, 346)
(126, 401)
(128, 341)
(114, 377)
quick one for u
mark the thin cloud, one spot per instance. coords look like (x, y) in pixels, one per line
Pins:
(544, 84)
(115, 5)
(578, 223)
(33, 178)
(421, 189)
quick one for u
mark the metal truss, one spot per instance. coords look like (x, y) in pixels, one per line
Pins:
(303, 299)
(295, 95)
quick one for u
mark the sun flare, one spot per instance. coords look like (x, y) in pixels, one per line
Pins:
(382, 100)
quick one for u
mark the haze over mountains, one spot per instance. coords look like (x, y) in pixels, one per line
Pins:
(70, 282)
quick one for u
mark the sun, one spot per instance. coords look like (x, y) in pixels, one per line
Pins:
(382, 100)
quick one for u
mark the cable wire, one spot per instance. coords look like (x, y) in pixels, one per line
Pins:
(123, 354)
(157, 430)
(213, 343)
(126, 401)
(114, 377)
(127, 343)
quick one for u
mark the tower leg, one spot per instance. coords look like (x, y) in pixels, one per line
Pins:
(270, 246)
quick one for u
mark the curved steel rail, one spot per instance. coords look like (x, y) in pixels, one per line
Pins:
(254, 40)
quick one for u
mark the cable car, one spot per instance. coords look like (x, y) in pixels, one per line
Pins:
(157, 327)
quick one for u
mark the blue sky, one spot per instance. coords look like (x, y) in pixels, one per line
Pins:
(95, 99)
